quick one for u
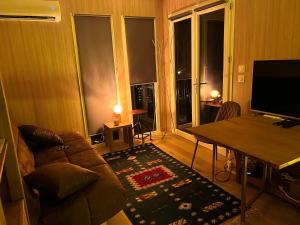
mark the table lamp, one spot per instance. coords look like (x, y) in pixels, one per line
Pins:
(215, 95)
(117, 114)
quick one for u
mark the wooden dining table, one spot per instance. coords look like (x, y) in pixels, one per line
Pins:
(257, 137)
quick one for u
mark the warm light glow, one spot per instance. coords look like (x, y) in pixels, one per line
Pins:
(118, 109)
(215, 94)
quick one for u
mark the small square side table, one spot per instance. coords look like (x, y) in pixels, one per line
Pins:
(110, 127)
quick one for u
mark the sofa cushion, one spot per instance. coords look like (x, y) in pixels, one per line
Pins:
(86, 159)
(49, 155)
(76, 146)
(37, 137)
(109, 191)
(25, 157)
(60, 179)
(73, 210)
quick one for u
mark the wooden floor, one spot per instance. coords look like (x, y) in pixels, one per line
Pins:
(267, 210)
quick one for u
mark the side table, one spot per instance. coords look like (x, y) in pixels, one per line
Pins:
(110, 127)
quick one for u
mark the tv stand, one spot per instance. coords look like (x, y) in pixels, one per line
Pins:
(287, 123)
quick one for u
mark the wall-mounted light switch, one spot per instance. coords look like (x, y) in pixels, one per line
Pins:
(241, 69)
(241, 78)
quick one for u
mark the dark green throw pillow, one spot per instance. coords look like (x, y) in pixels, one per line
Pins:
(60, 179)
(37, 137)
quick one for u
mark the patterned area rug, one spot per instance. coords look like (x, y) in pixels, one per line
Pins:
(161, 190)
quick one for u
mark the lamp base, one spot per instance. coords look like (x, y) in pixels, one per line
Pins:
(117, 119)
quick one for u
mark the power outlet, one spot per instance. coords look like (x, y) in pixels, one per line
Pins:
(241, 78)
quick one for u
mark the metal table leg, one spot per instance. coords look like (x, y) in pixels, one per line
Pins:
(243, 191)
(215, 146)
(195, 151)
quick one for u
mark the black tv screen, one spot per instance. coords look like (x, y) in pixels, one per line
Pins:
(276, 87)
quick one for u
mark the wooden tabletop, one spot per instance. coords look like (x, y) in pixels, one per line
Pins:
(139, 111)
(112, 125)
(255, 136)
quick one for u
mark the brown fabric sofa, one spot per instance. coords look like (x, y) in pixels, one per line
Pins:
(92, 205)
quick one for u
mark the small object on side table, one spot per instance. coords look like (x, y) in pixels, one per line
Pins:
(110, 127)
(117, 114)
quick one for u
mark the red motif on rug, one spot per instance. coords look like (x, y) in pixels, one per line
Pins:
(146, 196)
(127, 170)
(154, 162)
(181, 183)
(150, 177)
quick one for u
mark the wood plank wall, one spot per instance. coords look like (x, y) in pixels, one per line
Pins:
(37, 61)
(268, 29)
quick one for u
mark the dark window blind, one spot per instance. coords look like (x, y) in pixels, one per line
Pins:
(96, 58)
(141, 50)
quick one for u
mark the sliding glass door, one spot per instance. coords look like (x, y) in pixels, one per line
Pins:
(183, 73)
(201, 66)
(211, 63)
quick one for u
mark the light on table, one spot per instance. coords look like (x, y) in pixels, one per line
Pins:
(117, 114)
(118, 109)
(215, 94)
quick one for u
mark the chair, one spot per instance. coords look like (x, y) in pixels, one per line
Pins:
(139, 124)
(227, 111)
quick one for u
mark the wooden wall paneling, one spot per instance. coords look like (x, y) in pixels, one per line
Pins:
(39, 66)
(37, 59)
(263, 30)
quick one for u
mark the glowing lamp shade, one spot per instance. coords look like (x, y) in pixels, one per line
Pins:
(215, 94)
(118, 109)
(117, 114)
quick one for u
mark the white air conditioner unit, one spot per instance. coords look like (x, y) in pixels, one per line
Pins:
(30, 10)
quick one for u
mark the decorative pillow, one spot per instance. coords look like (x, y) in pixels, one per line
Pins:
(60, 179)
(37, 137)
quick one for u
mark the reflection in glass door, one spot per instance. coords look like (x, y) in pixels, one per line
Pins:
(183, 73)
(211, 61)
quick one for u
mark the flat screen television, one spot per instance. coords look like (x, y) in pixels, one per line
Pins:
(276, 88)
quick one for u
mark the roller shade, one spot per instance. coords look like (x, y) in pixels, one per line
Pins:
(210, 5)
(140, 41)
(94, 40)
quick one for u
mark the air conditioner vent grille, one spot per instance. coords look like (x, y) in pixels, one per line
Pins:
(13, 17)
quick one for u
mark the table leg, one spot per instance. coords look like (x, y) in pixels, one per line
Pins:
(238, 167)
(270, 175)
(130, 137)
(195, 151)
(125, 134)
(265, 176)
(244, 186)
(215, 146)
(141, 128)
(110, 139)
(106, 135)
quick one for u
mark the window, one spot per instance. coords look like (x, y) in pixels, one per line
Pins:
(140, 40)
(96, 59)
